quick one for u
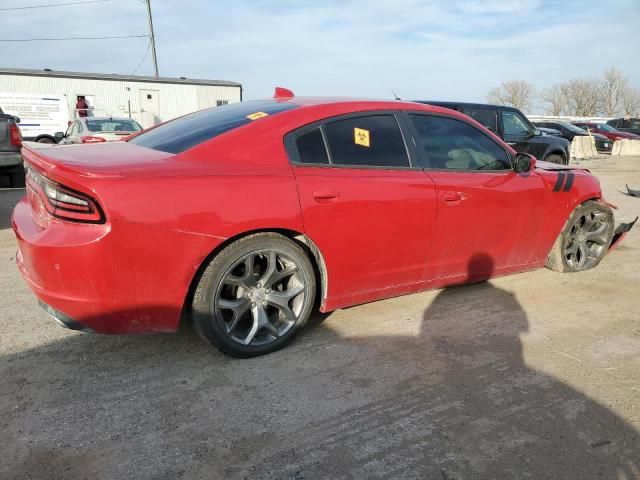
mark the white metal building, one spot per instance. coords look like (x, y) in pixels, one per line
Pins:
(149, 100)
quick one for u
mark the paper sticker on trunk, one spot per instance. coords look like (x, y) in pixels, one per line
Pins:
(361, 137)
(257, 115)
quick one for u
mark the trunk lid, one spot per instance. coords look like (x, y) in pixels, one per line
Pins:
(110, 159)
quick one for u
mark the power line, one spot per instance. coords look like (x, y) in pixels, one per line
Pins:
(143, 58)
(54, 5)
(68, 38)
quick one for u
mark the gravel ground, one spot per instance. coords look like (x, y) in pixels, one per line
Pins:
(530, 376)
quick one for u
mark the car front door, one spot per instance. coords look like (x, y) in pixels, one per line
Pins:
(518, 133)
(485, 209)
(366, 204)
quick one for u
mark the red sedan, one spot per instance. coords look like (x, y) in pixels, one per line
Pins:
(241, 217)
(606, 130)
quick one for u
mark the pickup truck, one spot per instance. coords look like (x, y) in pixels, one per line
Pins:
(10, 145)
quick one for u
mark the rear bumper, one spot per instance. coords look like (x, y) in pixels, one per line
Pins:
(109, 278)
(10, 159)
(63, 319)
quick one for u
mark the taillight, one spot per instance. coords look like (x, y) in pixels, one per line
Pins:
(63, 202)
(14, 135)
(92, 139)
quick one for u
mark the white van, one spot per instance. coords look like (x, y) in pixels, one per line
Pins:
(41, 116)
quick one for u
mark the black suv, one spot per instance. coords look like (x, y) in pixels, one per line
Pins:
(628, 125)
(513, 127)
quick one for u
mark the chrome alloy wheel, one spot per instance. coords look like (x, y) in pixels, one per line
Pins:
(260, 298)
(587, 240)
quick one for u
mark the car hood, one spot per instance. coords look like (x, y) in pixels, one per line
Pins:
(542, 165)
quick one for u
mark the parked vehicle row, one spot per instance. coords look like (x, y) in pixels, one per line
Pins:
(262, 207)
(569, 131)
(606, 130)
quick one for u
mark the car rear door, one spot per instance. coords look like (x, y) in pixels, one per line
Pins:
(484, 208)
(366, 204)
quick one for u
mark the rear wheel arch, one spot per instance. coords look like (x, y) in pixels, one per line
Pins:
(315, 256)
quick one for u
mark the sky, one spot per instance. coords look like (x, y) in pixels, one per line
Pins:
(442, 50)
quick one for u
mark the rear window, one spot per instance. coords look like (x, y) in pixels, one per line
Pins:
(113, 125)
(185, 132)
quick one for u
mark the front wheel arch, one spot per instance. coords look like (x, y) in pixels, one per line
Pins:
(559, 153)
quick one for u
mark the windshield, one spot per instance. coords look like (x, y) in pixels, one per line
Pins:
(185, 132)
(606, 128)
(572, 128)
(113, 125)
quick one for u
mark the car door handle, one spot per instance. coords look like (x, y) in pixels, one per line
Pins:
(325, 195)
(452, 197)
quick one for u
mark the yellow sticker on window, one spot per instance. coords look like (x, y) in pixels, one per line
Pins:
(257, 115)
(361, 137)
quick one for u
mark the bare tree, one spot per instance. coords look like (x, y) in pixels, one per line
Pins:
(517, 93)
(614, 84)
(630, 101)
(584, 97)
(556, 98)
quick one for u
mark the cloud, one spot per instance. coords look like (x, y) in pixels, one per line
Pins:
(423, 49)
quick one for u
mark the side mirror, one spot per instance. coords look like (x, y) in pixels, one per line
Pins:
(59, 135)
(524, 163)
(536, 132)
(16, 119)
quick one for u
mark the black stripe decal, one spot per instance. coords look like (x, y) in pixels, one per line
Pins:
(559, 182)
(569, 184)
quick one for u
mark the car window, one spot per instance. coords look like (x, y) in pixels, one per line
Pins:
(185, 132)
(484, 116)
(454, 145)
(513, 123)
(311, 148)
(112, 125)
(371, 141)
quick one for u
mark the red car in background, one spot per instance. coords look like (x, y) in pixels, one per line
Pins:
(606, 130)
(241, 217)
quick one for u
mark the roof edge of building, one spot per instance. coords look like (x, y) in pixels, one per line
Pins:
(117, 77)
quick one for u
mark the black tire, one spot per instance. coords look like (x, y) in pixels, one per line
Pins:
(227, 280)
(17, 179)
(572, 237)
(46, 140)
(555, 158)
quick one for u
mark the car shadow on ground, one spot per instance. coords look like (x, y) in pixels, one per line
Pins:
(455, 401)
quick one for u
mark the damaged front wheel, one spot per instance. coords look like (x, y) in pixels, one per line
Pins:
(584, 240)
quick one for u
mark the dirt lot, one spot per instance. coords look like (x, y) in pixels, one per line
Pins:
(531, 376)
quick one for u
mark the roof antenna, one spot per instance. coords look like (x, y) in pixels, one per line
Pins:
(396, 97)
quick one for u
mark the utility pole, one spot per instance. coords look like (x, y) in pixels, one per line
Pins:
(152, 39)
